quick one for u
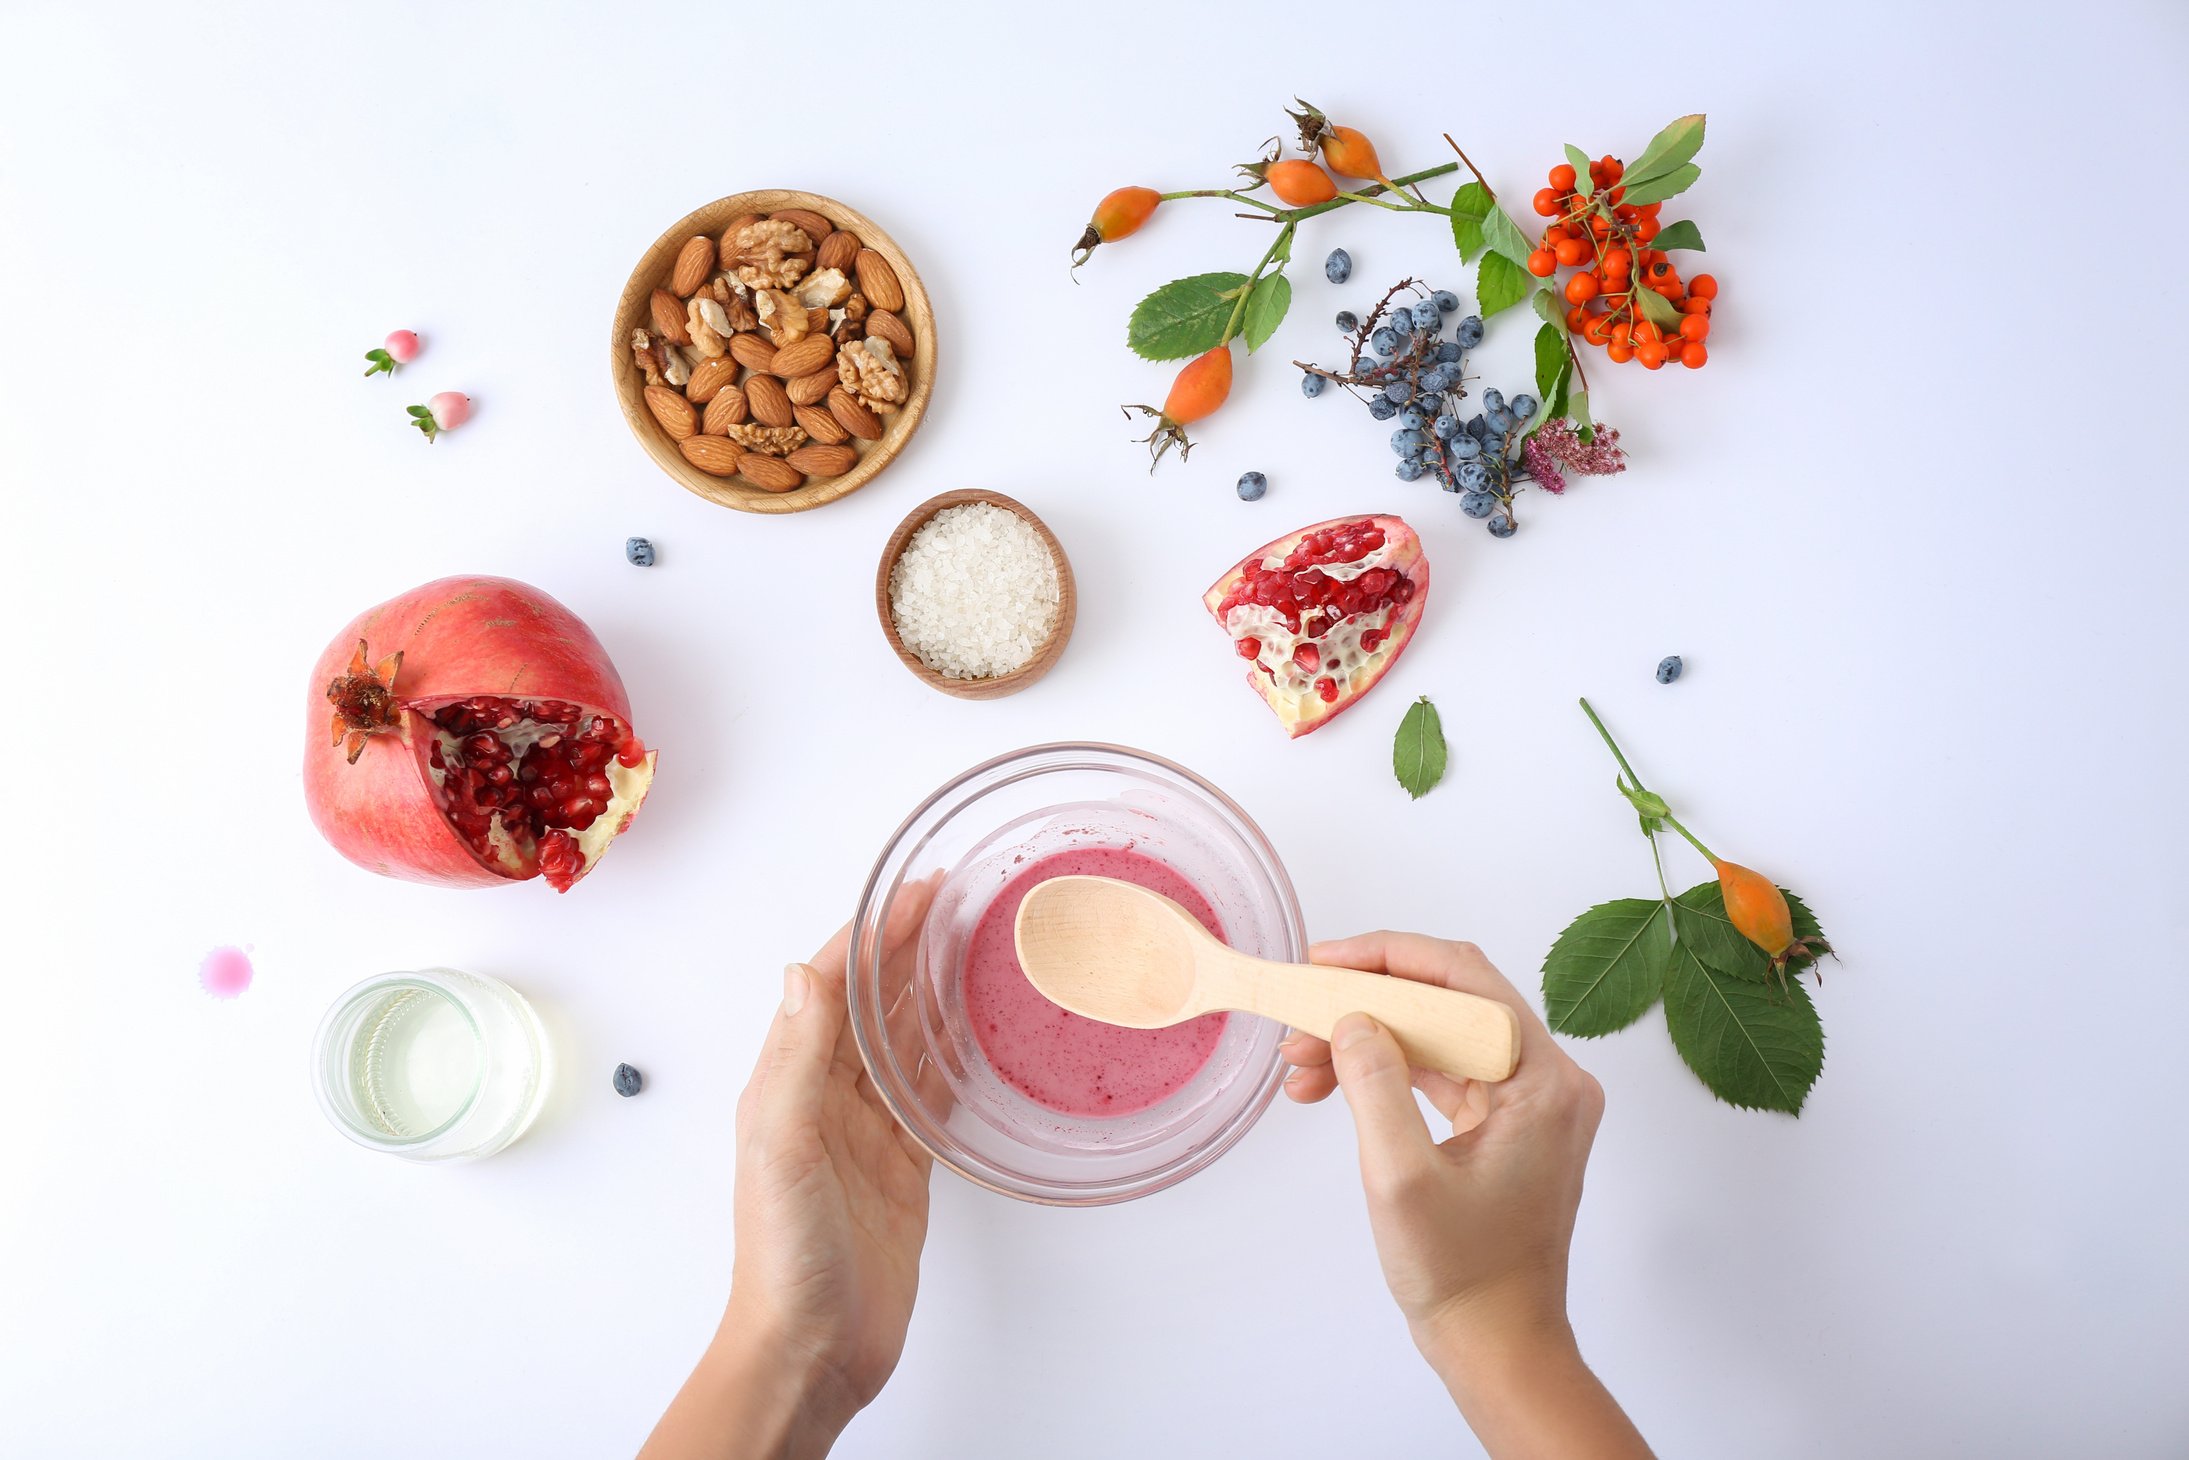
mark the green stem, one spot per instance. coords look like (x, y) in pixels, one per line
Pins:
(1368, 195)
(1590, 711)
(1238, 310)
(1708, 855)
(1378, 203)
(1658, 857)
(1233, 194)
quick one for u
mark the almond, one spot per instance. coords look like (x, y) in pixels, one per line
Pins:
(817, 228)
(769, 473)
(817, 321)
(819, 424)
(693, 264)
(823, 461)
(708, 378)
(840, 250)
(812, 389)
(668, 311)
(727, 409)
(882, 325)
(878, 281)
(764, 395)
(712, 455)
(727, 250)
(852, 412)
(752, 352)
(673, 411)
(803, 357)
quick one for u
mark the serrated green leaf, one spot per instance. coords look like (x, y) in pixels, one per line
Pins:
(1582, 182)
(1805, 921)
(1699, 916)
(1607, 968)
(1500, 284)
(1680, 140)
(1550, 360)
(1657, 189)
(1504, 236)
(1756, 1047)
(1683, 234)
(1266, 308)
(1548, 309)
(1470, 205)
(1418, 752)
(1185, 317)
(1657, 309)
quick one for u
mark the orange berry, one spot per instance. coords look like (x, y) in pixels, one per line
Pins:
(1582, 287)
(1596, 173)
(1200, 388)
(1694, 305)
(1599, 224)
(1693, 355)
(1299, 183)
(1594, 331)
(1546, 202)
(1577, 318)
(1351, 154)
(1651, 210)
(1703, 286)
(1620, 352)
(1617, 262)
(1571, 251)
(1647, 331)
(1613, 168)
(1626, 214)
(1119, 215)
(1652, 355)
(1756, 908)
(1695, 327)
(1618, 195)
(1622, 332)
(1542, 263)
(1648, 229)
(1563, 177)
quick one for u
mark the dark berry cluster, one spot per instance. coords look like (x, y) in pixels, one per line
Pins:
(1406, 369)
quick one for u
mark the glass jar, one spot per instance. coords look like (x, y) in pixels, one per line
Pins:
(437, 1065)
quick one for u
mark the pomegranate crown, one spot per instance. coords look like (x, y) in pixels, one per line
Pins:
(364, 700)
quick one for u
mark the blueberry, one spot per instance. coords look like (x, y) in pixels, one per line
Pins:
(1385, 341)
(1435, 381)
(1473, 475)
(1348, 321)
(1502, 422)
(1477, 504)
(1311, 386)
(1477, 427)
(1493, 400)
(1425, 316)
(1449, 352)
(1251, 486)
(1445, 301)
(1382, 409)
(1522, 407)
(1410, 469)
(1401, 320)
(1501, 524)
(1413, 418)
(1446, 427)
(1465, 447)
(1668, 668)
(1338, 267)
(639, 551)
(628, 1080)
(1399, 392)
(1407, 441)
(1469, 332)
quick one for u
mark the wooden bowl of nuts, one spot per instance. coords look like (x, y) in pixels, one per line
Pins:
(975, 595)
(773, 351)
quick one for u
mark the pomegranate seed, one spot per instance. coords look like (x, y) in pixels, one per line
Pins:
(596, 786)
(1249, 648)
(1328, 689)
(1308, 657)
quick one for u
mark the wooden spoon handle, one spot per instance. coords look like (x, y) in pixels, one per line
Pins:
(1462, 1034)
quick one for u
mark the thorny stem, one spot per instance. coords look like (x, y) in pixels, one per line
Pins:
(1636, 781)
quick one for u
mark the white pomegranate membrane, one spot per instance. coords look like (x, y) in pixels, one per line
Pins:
(1320, 611)
(534, 784)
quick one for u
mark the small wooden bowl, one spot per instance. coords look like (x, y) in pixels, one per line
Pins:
(633, 312)
(1002, 684)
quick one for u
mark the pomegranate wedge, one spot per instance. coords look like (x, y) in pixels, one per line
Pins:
(468, 733)
(1322, 614)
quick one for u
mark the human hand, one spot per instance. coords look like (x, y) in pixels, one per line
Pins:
(831, 1213)
(1473, 1232)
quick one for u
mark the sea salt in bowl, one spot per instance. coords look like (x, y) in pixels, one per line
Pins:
(970, 613)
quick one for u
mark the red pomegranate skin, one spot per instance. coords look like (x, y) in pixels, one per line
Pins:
(458, 637)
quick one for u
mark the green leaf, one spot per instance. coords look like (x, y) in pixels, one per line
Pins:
(1185, 317)
(1470, 205)
(1607, 968)
(1698, 914)
(1756, 1047)
(418, 412)
(1548, 309)
(1657, 189)
(1266, 307)
(1500, 284)
(1682, 234)
(1577, 411)
(1504, 236)
(1805, 921)
(1582, 182)
(1550, 360)
(1666, 151)
(1418, 754)
(1657, 309)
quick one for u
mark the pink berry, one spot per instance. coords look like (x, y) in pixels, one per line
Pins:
(451, 408)
(402, 346)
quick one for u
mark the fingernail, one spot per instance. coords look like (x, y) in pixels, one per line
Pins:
(794, 987)
(1351, 1030)
(1288, 1047)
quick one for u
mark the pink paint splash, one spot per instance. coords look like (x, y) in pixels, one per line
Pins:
(225, 973)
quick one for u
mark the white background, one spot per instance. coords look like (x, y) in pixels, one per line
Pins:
(1917, 530)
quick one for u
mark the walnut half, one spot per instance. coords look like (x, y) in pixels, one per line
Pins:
(770, 254)
(868, 369)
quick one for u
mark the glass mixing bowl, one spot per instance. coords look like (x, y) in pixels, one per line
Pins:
(928, 890)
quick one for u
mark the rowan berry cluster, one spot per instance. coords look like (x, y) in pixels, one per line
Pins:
(1607, 241)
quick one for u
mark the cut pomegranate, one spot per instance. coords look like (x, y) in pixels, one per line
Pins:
(1322, 615)
(491, 744)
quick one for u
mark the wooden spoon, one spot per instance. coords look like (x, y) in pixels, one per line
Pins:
(1124, 955)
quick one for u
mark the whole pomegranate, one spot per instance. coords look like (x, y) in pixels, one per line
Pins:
(1321, 614)
(468, 733)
